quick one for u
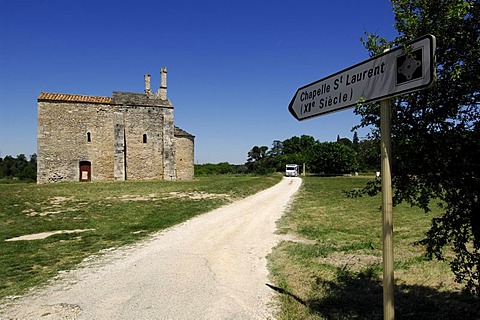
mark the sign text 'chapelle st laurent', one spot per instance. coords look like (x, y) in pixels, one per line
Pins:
(387, 75)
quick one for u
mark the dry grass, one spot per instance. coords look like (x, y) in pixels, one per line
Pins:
(109, 214)
(339, 274)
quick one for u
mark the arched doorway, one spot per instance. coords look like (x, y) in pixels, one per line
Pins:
(85, 171)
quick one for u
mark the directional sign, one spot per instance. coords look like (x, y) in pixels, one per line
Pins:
(392, 73)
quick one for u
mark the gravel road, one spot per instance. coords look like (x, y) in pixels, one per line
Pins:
(210, 267)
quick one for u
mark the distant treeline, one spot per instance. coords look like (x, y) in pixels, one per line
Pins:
(340, 157)
(219, 168)
(19, 168)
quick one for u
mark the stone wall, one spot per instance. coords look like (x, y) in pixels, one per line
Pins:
(184, 154)
(62, 140)
(144, 142)
(169, 145)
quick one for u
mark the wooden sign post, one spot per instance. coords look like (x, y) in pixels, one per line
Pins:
(387, 75)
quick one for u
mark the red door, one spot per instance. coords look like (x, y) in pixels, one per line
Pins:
(85, 171)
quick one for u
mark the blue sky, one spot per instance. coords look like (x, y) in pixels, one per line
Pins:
(233, 66)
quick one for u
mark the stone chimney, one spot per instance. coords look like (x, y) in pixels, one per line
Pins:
(162, 90)
(148, 91)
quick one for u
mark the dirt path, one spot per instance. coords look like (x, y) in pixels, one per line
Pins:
(211, 267)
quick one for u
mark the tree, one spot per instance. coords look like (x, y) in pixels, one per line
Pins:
(29, 170)
(356, 142)
(345, 141)
(19, 167)
(296, 144)
(331, 158)
(258, 162)
(257, 153)
(277, 148)
(369, 157)
(436, 132)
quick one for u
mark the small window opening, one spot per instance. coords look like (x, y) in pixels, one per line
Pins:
(145, 138)
(89, 137)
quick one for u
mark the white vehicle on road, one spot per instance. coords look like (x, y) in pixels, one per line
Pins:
(291, 170)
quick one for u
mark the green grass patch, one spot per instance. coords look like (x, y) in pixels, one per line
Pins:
(119, 213)
(338, 273)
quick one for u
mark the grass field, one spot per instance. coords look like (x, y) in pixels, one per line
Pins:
(112, 215)
(336, 272)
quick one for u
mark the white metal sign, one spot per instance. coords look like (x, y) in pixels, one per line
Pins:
(387, 75)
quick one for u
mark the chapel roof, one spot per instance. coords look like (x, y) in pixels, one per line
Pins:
(182, 133)
(47, 96)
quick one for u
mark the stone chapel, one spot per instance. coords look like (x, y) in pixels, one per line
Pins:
(126, 136)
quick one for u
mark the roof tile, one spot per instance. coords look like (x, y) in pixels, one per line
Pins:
(73, 98)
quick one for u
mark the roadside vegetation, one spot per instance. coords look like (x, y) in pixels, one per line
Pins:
(334, 268)
(344, 156)
(109, 214)
(18, 168)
